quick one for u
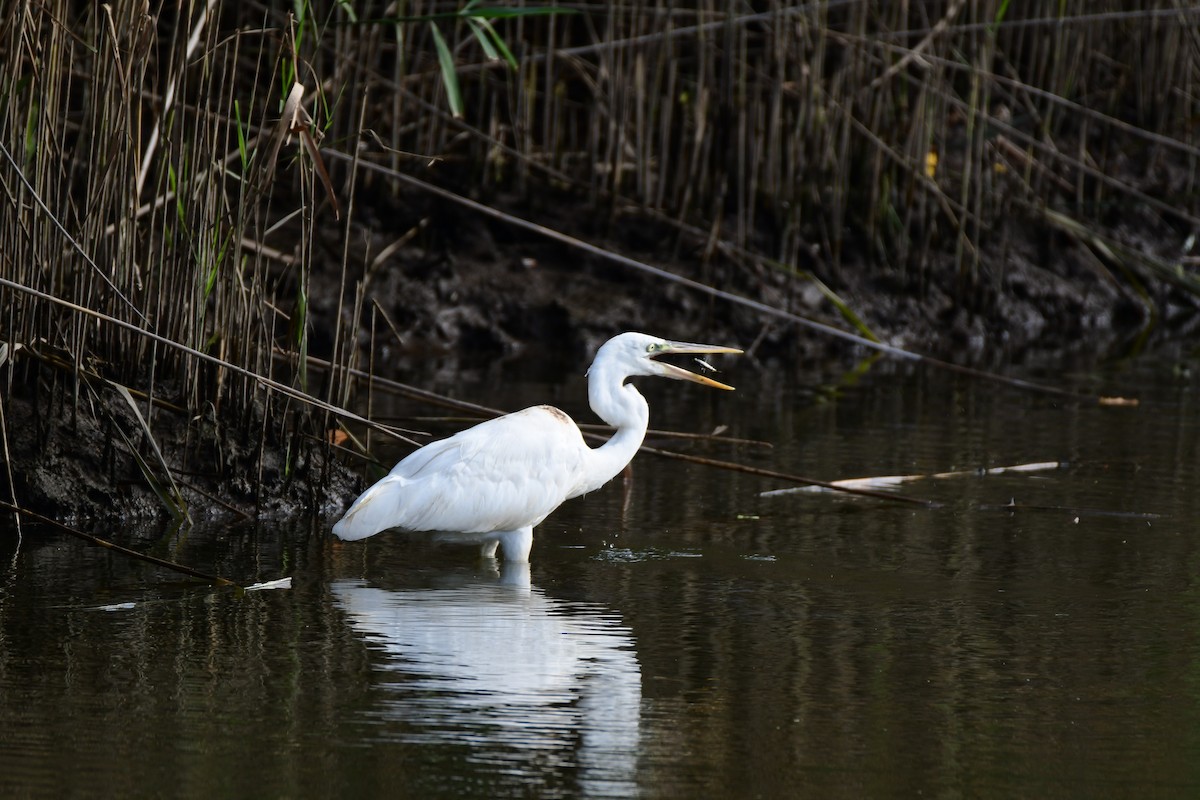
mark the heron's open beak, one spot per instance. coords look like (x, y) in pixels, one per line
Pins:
(679, 373)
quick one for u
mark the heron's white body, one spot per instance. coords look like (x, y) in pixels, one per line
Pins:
(502, 477)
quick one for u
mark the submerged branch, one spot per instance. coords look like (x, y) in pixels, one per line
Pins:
(783, 476)
(881, 481)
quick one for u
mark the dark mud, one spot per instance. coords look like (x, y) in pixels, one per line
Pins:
(94, 461)
(475, 286)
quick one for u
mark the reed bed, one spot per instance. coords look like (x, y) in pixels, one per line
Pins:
(168, 204)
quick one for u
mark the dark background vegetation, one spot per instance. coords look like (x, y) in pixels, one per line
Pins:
(183, 250)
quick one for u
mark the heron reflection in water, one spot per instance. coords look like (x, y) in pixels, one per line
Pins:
(522, 678)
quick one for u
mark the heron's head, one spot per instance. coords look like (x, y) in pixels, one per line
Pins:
(638, 354)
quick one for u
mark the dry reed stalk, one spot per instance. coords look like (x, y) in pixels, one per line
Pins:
(133, 200)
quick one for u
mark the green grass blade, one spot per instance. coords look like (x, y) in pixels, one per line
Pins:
(481, 36)
(348, 9)
(449, 75)
(173, 186)
(841, 305)
(171, 498)
(241, 137)
(498, 44)
(31, 130)
(843, 308)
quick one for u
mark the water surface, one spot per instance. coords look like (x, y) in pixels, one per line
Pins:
(676, 636)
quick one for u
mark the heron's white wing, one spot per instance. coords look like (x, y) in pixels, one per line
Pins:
(503, 474)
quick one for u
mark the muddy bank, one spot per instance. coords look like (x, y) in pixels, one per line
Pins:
(95, 462)
(475, 286)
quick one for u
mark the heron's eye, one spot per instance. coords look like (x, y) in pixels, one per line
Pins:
(653, 347)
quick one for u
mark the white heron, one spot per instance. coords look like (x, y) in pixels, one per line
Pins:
(499, 479)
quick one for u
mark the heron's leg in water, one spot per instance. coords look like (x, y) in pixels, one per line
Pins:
(513, 545)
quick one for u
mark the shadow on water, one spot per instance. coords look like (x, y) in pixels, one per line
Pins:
(685, 638)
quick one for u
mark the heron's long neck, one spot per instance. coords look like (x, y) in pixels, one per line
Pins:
(623, 407)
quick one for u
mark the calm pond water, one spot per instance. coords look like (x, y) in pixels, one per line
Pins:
(687, 638)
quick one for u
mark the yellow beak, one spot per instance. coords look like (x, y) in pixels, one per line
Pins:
(686, 348)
